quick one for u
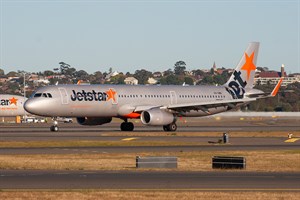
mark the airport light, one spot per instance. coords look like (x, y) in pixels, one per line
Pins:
(24, 73)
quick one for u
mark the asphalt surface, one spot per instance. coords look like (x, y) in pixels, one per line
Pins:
(140, 180)
(216, 180)
(75, 132)
(36, 128)
(92, 136)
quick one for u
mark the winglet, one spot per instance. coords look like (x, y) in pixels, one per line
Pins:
(275, 90)
(78, 82)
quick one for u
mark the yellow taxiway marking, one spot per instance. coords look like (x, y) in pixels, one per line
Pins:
(129, 139)
(292, 140)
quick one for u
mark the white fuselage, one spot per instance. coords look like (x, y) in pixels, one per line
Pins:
(121, 100)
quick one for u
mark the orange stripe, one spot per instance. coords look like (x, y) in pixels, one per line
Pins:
(133, 115)
(277, 87)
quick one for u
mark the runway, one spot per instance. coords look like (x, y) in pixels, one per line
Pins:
(65, 128)
(75, 132)
(137, 180)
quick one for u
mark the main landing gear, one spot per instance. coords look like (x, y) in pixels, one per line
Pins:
(170, 127)
(54, 127)
(127, 126)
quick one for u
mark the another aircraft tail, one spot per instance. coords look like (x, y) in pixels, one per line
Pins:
(243, 76)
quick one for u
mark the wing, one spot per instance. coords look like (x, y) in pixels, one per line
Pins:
(204, 106)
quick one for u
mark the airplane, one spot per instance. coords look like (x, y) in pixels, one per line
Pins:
(154, 105)
(11, 105)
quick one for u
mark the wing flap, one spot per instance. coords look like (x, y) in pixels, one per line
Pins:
(204, 106)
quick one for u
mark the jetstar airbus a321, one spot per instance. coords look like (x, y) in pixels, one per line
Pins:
(156, 105)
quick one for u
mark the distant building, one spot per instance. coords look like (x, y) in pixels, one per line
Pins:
(214, 67)
(57, 76)
(3, 79)
(152, 81)
(14, 79)
(33, 77)
(157, 74)
(272, 78)
(131, 81)
(41, 80)
(112, 74)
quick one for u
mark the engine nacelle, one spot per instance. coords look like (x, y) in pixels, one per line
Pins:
(157, 117)
(92, 121)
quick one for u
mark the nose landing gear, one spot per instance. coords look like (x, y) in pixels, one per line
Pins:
(54, 127)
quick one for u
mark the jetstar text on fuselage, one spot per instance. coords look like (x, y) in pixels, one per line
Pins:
(8, 102)
(88, 96)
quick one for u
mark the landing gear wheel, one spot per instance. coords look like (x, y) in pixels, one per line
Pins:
(54, 128)
(170, 127)
(127, 126)
(165, 128)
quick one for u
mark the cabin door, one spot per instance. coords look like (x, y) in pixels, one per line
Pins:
(63, 95)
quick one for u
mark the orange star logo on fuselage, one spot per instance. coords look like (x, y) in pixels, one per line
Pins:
(249, 65)
(111, 95)
(13, 101)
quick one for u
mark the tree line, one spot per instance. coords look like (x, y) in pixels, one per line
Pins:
(288, 98)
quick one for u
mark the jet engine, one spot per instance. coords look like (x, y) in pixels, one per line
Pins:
(157, 117)
(92, 121)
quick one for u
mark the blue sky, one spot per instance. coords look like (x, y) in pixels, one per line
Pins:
(130, 35)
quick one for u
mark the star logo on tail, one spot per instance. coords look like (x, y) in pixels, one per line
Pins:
(249, 65)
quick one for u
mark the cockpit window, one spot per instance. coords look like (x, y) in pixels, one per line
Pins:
(37, 95)
(46, 95)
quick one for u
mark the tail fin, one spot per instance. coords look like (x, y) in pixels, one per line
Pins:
(243, 75)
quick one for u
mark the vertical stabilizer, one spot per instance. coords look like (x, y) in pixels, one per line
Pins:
(243, 75)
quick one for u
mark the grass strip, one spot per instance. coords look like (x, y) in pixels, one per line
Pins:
(266, 161)
(183, 195)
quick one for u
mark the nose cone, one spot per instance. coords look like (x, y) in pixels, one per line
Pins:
(31, 106)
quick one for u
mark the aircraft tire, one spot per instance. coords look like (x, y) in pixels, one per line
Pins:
(127, 126)
(170, 127)
(54, 128)
(165, 128)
